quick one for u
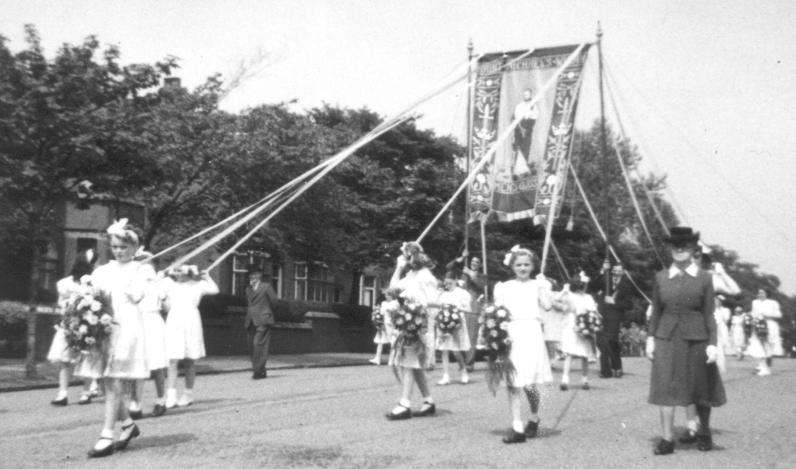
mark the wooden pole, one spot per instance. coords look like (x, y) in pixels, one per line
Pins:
(604, 150)
(469, 147)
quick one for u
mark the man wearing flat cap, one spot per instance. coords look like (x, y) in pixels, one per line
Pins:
(260, 298)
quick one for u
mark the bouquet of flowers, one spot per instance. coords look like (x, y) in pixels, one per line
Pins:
(87, 323)
(449, 319)
(761, 329)
(377, 317)
(588, 323)
(410, 320)
(748, 325)
(495, 333)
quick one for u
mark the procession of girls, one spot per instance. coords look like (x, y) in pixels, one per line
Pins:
(141, 343)
(526, 296)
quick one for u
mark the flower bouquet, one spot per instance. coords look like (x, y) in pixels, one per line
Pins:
(409, 321)
(449, 319)
(377, 317)
(495, 333)
(761, 329)
(588, 323)
(87, 323)
(748, 325)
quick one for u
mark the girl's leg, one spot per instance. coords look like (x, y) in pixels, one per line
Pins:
(515, 407)
(445, 365)
(584, 367)
(459, 356)
(422, 383)
(376, 360)
(534, 399)
(404, 402)
(64, 373)
(565, 373)
(159, 376)
(667, 422)
(189, 366)
(136, 391)
(171, 384)
(113, 397)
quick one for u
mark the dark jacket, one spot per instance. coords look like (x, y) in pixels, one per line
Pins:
(614, 314)
(684, 304)
(259, 309)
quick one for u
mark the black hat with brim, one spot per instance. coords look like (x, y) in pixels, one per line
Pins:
(252, 268)
(680, 235)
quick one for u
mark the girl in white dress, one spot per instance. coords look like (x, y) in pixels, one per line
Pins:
(184, 335)
(384, 334)
(458, 342)
(121, 282)
(524, 297)
(574, 300)
(154, 339)
(68, 287)
(736, 333)
(414, 278)
(765, 349)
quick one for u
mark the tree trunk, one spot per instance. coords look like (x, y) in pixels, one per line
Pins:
(33, 293)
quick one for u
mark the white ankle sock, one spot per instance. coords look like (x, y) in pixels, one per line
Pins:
(405, 403)
(518, 426)
(61, 395)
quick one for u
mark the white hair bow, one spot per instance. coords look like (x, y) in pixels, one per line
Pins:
(118, 228)
(507, 258)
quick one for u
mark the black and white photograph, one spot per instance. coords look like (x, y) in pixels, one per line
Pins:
(397, 234)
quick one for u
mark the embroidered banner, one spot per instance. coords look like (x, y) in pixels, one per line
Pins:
(518, 182)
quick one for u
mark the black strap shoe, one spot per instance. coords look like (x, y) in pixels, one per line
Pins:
(426, 410)
(101, 453)
(704, 442)
(124, 440)
(531, 429)
(59, 402)
(664, 447)
(514, 437)
(159, 410)
(405, 413)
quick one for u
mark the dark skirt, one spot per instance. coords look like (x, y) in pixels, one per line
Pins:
(681, 377)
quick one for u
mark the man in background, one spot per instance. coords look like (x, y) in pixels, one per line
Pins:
(260, 298)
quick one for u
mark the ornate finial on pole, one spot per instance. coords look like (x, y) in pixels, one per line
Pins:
(599, 31)
(470, 47)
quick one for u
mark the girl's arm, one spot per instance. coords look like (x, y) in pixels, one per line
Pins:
(209, 287)
(545, 292)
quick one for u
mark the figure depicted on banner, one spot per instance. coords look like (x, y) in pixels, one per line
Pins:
(521, 145)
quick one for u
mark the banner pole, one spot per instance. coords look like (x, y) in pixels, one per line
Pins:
(469, 144)
(483, 256)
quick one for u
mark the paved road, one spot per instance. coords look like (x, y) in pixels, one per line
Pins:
(333, 418)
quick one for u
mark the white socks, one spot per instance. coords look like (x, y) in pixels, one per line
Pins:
(518, 426)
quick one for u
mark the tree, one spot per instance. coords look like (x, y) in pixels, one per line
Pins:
(63, 121)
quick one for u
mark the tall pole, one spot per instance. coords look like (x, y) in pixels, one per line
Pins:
(604, 151)
(469, 147)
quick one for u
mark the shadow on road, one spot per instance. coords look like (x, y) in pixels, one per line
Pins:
(160, 441)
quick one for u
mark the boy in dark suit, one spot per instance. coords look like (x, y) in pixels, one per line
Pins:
(260, 298)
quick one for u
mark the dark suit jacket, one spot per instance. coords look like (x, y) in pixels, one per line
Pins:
(685, 304)
(259, 309)
(614, 314)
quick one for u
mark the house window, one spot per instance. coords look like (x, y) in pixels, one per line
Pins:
(240, 263)
(315, 282)
(368, 288)
(300, 284)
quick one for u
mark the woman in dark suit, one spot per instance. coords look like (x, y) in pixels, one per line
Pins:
(682, 341)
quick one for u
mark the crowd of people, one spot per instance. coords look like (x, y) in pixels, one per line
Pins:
(152, 323)
(688, 334)
(130, 300)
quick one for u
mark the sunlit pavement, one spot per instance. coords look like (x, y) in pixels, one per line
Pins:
(334, 417)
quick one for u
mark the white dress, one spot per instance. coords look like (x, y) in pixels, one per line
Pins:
(572, 343)
(459, 340)
(124, 356)
(736, 332)
(528, 352)
(59, 349)
(154, 326)
(421, 285)
(384, 335)
(184, 335)
(772, 346)
(722, 315)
